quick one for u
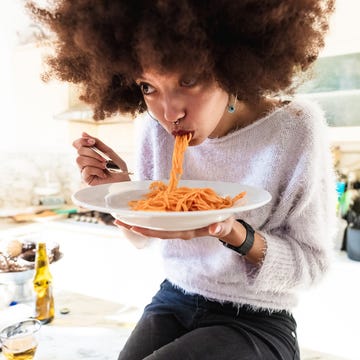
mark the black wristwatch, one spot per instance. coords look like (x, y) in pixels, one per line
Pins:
(245, 247)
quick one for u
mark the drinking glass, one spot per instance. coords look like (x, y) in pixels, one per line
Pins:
(19, 341)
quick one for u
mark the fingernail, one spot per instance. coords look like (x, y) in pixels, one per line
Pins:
(133, 229)
(218, 229)
(90, 141)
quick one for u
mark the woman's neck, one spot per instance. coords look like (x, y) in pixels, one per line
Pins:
(244, 115)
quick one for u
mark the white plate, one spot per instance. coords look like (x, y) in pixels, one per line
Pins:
(114, 198)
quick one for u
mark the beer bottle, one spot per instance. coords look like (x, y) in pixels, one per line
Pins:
(44, 306)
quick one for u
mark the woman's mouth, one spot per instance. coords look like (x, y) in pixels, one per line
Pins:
(181, 132)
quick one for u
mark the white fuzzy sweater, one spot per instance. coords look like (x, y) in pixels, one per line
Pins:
(285, 153)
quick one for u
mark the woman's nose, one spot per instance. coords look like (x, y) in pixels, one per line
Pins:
(173, 109)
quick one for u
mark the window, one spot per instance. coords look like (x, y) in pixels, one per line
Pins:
(335, 80)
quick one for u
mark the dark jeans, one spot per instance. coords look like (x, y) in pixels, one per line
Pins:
(176, 326)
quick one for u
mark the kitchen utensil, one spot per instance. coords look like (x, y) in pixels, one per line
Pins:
(110, 165)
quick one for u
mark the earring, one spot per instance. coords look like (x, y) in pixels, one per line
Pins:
(232, 105)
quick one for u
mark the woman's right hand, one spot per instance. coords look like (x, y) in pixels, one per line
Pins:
(92, 165)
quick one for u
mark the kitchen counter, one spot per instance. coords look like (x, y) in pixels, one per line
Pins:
(93, 329)
(105, 282)
(103, 279)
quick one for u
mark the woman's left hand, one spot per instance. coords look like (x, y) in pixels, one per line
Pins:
(230, 231)
(219, 230)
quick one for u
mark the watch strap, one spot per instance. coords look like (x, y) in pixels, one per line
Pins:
(245, 247)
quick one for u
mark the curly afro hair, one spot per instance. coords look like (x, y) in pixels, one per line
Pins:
(251, 48)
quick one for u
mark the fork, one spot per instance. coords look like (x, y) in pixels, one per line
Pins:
(110, 165)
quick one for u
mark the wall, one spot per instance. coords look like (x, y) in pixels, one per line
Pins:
(335, 85)
(24, 171)
(34, 143)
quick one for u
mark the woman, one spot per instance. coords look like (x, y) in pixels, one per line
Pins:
(217, 70)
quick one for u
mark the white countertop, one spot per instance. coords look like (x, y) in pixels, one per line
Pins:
(105, 282)
(102, 278)
(93, 329)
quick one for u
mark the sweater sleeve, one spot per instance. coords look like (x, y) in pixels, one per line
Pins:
(144, 160)
(299, 232)
(154, 147)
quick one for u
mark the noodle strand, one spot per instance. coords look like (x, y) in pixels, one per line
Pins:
(162, 197)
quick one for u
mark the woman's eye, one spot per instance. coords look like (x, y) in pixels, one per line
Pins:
(188, 82)
(146, 88)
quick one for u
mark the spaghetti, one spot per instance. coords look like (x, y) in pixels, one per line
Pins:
(162, 197)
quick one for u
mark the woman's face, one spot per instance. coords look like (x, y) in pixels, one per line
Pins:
(196, 106)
